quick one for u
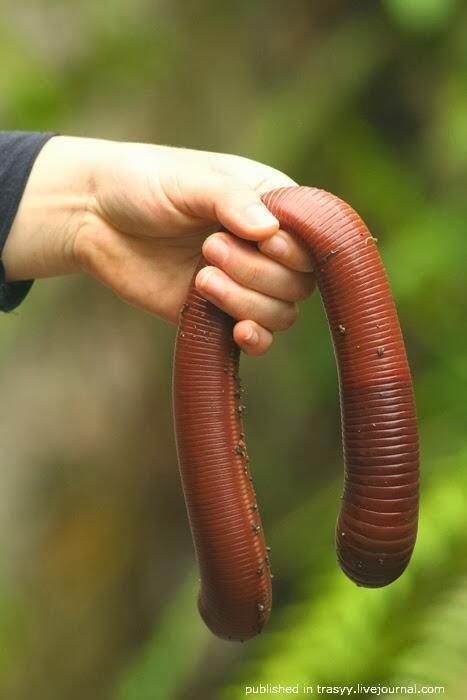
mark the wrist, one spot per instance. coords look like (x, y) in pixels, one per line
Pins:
(54, 207)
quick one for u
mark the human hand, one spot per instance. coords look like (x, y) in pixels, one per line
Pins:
(138, 217)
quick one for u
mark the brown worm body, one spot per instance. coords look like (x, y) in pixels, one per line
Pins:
(377, 524)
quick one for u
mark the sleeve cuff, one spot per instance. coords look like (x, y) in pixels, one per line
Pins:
(12, 293)
(20, 150)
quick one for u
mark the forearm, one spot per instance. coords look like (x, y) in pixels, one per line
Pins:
(53, 208)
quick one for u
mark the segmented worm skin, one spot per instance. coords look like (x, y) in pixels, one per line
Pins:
(377, 524)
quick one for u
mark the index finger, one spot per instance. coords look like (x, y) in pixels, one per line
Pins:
(286, 249)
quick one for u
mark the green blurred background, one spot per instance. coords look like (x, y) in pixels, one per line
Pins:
(97, 574)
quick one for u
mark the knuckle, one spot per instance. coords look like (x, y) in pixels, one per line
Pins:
(289, 316)
(248, 309)
(305, 288)
(251, 274)
(128, 294)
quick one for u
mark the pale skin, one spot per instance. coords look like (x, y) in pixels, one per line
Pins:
(137, 217)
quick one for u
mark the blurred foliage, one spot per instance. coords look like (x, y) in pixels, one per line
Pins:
(97, 583)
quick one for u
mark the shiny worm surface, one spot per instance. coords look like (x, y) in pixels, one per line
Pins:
(377, 523)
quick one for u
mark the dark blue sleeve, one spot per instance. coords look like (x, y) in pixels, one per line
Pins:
(18, 151)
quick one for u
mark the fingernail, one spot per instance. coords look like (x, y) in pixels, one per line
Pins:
(275, 245)
(211, 282)
(257, 215)
(252, 338)
(217, 250)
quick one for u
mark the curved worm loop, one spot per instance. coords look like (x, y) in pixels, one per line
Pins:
(377, 524)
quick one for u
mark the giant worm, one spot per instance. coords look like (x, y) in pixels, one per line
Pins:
(377, 524)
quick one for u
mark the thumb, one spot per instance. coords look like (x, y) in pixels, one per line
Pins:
(228, 200)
